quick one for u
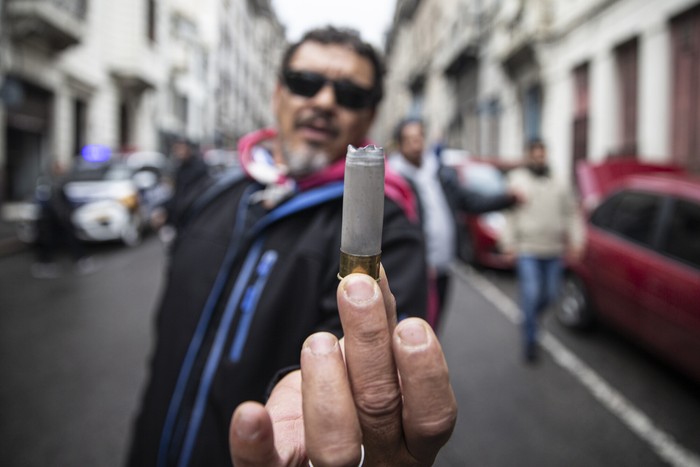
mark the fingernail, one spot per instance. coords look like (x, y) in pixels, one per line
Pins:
(359, 288)
(247, 427)
(413, 334)
(321, 343)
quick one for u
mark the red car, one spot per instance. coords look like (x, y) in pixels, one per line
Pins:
(640, 271)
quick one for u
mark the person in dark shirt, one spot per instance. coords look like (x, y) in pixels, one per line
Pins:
(55, 227)
(252, 300)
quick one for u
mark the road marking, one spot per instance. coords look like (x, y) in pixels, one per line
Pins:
(660, 442)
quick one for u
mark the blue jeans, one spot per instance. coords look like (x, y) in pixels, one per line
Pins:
(540, 280)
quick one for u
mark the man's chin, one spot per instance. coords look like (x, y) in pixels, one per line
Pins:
(306, 160)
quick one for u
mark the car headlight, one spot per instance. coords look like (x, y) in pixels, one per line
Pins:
(130, 201)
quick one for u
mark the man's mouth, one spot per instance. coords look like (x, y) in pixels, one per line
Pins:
(317, 129)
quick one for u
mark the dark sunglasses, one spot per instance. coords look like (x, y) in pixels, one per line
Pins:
(347, 94)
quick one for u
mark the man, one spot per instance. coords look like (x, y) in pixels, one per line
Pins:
(254, 273)
(191, 175)
(540, 232)
(55, 227)
(441, 199)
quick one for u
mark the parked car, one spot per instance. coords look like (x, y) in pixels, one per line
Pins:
(640, 271)
(479, 235)
(114, 200)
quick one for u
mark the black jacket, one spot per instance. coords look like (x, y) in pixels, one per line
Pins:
(244, 289)
(190, 178)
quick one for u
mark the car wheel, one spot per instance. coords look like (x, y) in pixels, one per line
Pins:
(574, 308)
(131, 236)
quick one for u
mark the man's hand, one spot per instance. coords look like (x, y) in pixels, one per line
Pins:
(158, 218)
(509, 256)
(575, 254)
(384, 386)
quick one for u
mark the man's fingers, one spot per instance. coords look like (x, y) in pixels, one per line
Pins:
(251, 437)
(333, 434)
(272, 435)
(429, 405)
(370, 363)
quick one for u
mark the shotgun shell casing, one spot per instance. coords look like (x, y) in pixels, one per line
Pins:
(363, 212)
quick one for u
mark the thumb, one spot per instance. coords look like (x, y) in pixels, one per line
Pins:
(251, 438)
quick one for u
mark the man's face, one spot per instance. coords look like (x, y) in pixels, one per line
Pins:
(315, 131)
(181, 151)
(412, 143)
(538, 156)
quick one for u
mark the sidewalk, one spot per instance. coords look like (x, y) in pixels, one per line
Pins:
(9, 243)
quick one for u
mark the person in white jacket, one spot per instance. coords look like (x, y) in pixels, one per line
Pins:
(540, 232)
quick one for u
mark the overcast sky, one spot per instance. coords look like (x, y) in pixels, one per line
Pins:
(371, 17)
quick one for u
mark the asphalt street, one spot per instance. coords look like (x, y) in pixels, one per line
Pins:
(74, 349)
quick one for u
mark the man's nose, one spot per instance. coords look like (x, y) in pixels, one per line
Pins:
(325, 97)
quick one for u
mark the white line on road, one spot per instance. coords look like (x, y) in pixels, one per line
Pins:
(661, 442)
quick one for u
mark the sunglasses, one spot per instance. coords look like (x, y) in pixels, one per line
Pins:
(347, 94)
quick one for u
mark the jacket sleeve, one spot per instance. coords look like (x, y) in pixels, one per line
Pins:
(470, 201)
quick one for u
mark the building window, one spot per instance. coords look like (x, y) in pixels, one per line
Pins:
(626, 56)
(151, 20)
(532, 110)
(685, 119)
(79, 124)
(124, 126)
(180, 109)
(581, 113)
(417, 88)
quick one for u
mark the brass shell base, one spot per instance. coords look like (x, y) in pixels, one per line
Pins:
(350, 264)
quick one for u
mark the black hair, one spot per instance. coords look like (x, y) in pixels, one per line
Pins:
(535, 143)
(398, 131)
(350, 38)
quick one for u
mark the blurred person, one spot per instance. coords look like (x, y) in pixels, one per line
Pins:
(254, 274)
(55, 227)
(191, 176)
(539, 233)
(441, 197)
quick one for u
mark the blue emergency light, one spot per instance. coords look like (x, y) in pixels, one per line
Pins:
(96, 153)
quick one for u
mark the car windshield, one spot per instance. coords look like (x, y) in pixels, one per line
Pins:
(101, 172)
(484, 179)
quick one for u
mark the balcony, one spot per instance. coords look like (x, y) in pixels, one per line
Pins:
(132, 82)
(51, 24)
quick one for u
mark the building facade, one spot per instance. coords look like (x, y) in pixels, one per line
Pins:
(593, 78)
(129, 75)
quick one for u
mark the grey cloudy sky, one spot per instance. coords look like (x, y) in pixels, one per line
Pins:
(370, 17)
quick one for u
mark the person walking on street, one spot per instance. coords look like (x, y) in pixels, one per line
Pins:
(252, 300)
(441, 197)
(191, 176)
(55, 228)
(539, 234)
